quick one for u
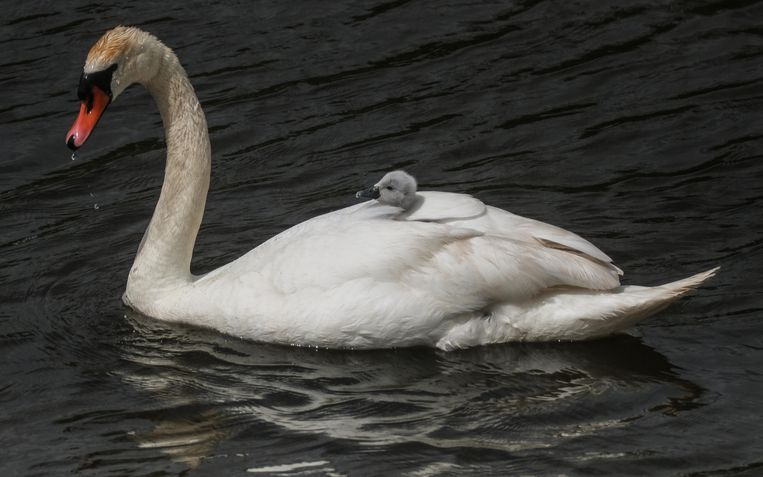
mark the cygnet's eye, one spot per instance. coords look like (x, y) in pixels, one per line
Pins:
(388, 187)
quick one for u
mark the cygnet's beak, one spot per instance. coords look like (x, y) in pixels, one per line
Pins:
(370, 193)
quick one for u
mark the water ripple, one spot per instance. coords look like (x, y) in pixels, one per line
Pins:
(635, 125)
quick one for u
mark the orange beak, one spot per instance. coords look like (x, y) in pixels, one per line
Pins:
(88, 118)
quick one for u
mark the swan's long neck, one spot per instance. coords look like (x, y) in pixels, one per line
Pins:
(164, 255)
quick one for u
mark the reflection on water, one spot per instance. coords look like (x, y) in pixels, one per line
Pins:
(510, 398)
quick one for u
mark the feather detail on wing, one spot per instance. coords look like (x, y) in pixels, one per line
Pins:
(443, 206)
(332, 249)
(464, 210)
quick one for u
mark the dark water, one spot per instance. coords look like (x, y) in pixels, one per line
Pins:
(638, 125)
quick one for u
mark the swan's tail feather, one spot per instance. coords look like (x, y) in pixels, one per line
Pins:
(639, 303)
(570, 314)
(681, 287)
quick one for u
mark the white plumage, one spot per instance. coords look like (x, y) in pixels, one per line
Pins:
(447, 271)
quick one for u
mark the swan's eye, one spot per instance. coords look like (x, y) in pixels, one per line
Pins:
(388, 187)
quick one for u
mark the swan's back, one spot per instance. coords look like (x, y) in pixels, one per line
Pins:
(466, 211)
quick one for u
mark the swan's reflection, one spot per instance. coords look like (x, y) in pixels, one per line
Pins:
(508, 397)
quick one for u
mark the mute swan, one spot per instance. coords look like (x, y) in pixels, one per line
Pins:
(396, 188)
(456, 273)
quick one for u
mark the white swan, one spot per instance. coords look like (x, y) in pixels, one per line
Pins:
(457, 273)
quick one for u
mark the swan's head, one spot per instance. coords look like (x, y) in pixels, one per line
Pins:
(396, 188)
(122, 56)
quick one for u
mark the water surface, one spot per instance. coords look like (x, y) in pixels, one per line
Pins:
(636, 124)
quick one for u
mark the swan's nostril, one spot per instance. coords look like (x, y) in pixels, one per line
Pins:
(70, 142)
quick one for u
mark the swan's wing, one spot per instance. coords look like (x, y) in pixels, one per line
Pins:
(499, 222)
(467, 211)
(561, 239)
(333, 249)
(470, 212)
(556, 235)
(373, 209)
(433, 206)
(451, 261)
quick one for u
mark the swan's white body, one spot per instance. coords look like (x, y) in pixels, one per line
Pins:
(449, 272)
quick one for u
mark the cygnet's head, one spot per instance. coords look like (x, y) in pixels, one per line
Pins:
(396, 188)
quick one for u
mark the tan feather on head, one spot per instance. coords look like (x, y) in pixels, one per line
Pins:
(105, 51)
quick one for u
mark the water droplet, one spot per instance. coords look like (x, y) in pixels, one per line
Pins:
(74, 156)
(96, 206)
